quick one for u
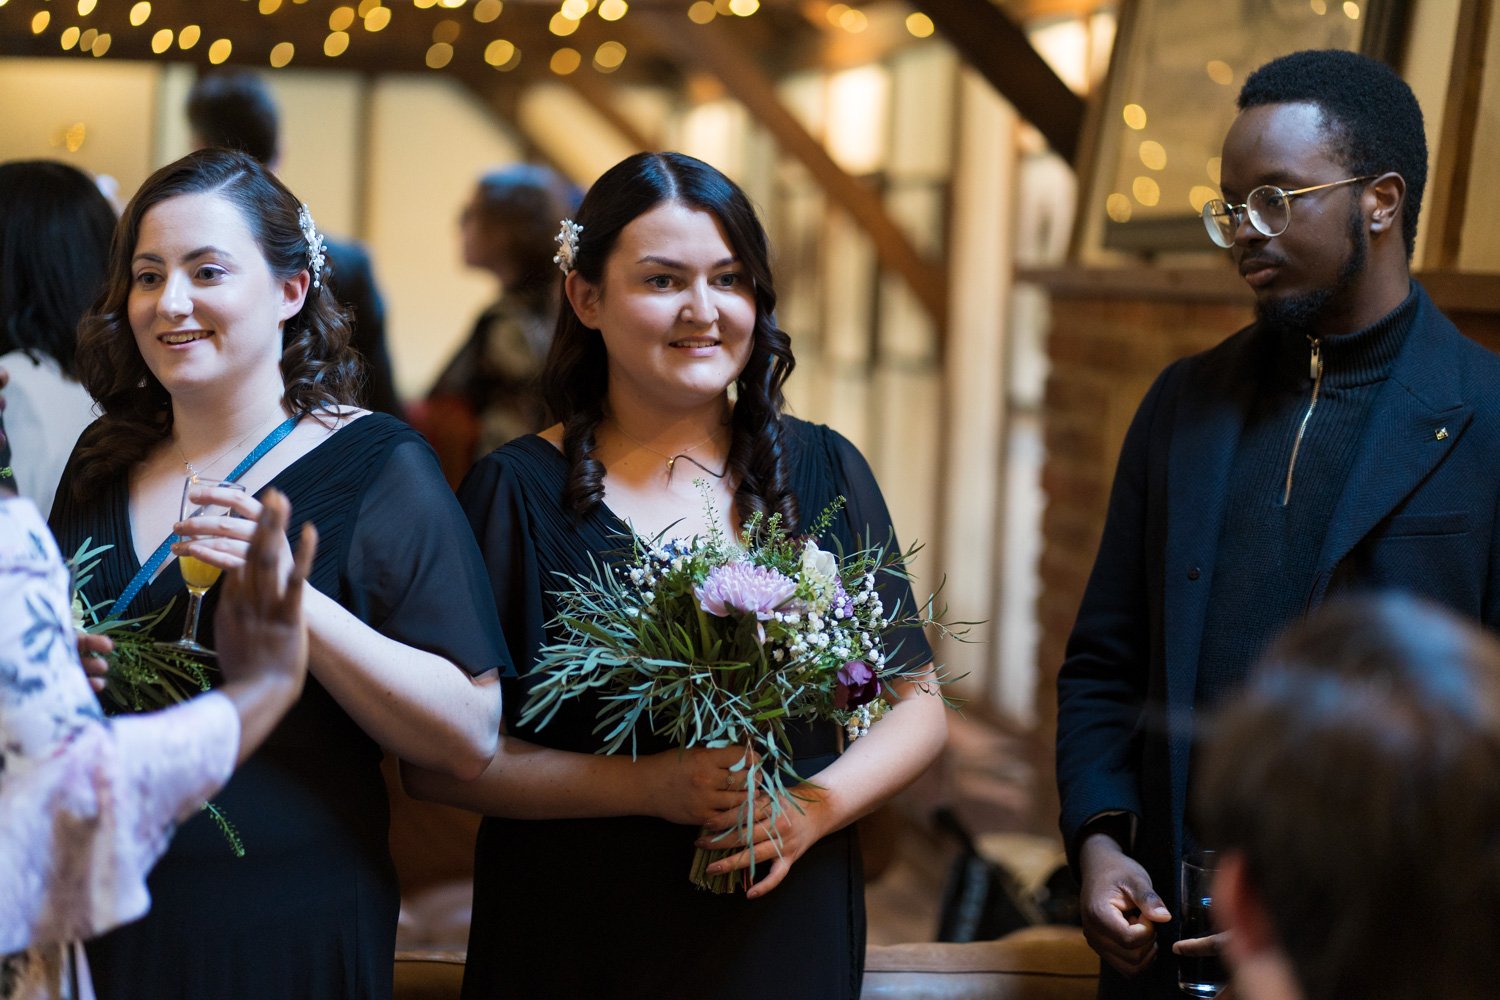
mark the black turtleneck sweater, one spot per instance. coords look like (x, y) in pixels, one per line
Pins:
(1274, 523)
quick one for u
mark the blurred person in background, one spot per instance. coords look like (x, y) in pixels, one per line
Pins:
(489, 392)
(55, 228)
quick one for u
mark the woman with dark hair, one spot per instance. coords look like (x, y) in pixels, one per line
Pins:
(666, 371)
(489, 392)
(213, 349)
(54, 242)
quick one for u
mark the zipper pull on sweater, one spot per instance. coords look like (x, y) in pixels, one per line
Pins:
(1314, 361)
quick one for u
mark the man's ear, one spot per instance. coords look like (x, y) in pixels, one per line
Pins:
(583, 296)
(1239, 910)
(1388, 192)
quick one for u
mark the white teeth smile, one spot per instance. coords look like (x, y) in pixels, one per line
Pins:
(183, 338)
(694, 343)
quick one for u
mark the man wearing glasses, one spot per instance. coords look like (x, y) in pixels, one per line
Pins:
(1348, 439)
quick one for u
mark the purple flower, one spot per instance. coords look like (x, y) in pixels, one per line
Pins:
(857, 685)
(741, 588)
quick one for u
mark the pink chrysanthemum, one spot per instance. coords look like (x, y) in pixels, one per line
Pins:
(740, 588)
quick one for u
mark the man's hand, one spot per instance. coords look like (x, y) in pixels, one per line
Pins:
(1120, 909)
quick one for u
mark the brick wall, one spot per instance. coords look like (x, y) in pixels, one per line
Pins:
(1112, 333)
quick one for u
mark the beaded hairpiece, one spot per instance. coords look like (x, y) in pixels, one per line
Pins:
(316, 252)
(566, 257)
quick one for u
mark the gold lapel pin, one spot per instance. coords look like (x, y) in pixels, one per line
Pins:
(1442, 434)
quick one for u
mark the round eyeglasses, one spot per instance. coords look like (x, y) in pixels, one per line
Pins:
(1268, 207)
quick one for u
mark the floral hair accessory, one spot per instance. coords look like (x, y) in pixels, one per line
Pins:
(566, 257)
(316, 249)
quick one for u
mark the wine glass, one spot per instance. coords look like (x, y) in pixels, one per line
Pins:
(197, 574)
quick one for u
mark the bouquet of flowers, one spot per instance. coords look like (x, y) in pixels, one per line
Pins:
(718, 642)
(144, 675)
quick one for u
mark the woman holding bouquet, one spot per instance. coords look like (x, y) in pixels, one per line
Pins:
(215, 346)
(581, 885)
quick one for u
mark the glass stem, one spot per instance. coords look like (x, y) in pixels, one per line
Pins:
(190, 626)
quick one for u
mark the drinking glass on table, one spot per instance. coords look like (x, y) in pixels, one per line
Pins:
(197, 574)
(1200, 976)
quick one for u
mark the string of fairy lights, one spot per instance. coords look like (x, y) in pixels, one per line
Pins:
(345, 22)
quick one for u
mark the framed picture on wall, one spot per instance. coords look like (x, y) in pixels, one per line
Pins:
(1170, 98)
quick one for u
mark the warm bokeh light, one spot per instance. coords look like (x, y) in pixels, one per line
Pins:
(1153, 155)
(445, 32)
(1220, 72)
(743, 8)
(565, 61)
(336, 44)
(161, 41)
(269, 7)
(101, 45)
(86, 40)
(1146, 191)
(1213, 169)
(919, 24)
(341, 19)
(377, 19)
(1351, 10)
(1319, 7)
(188, 37)
(451, 4)
(613, 10)
(69, 37)
(40, 20)
(86, 7)
(282, 54)
(834, 12)
(486, 11)
(609, 56)
(562, 25)
(701, 12)
(853, 21)
(1135, 116)
(219, 51)
(1118, 207)
(365, 6)
(499, 52)
(1201, 195)
(439, 54)
(423, 4)
(140, 13)
(574, 10)
(73, 137)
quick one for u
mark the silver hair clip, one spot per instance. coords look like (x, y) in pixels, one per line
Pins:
(566, 257)
(316, 250)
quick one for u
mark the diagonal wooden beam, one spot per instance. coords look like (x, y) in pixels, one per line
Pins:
(1448, 184)
(596, 94)
(998, 48)
(711, 49)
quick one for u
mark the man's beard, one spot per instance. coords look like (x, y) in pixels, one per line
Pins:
(1298, 312)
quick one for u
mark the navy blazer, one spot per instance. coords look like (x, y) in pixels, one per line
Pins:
(1417, 513)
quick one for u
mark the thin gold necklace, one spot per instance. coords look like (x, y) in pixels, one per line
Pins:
(671, 460)
(193, 470)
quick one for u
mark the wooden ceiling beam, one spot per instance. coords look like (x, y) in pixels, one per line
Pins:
(595, 93)
(714, 51)
(996, 46)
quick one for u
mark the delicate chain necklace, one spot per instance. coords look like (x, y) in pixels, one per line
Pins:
(671, 460)
(193, 469)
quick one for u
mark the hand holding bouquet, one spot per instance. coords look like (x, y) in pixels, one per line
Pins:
(720, 643)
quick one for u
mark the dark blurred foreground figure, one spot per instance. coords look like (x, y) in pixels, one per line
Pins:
(55, 229)
(233, 109)
(490, 392)
(1355, 791)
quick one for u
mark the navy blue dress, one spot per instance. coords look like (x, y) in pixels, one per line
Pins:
(603, 908)
(310, 911)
